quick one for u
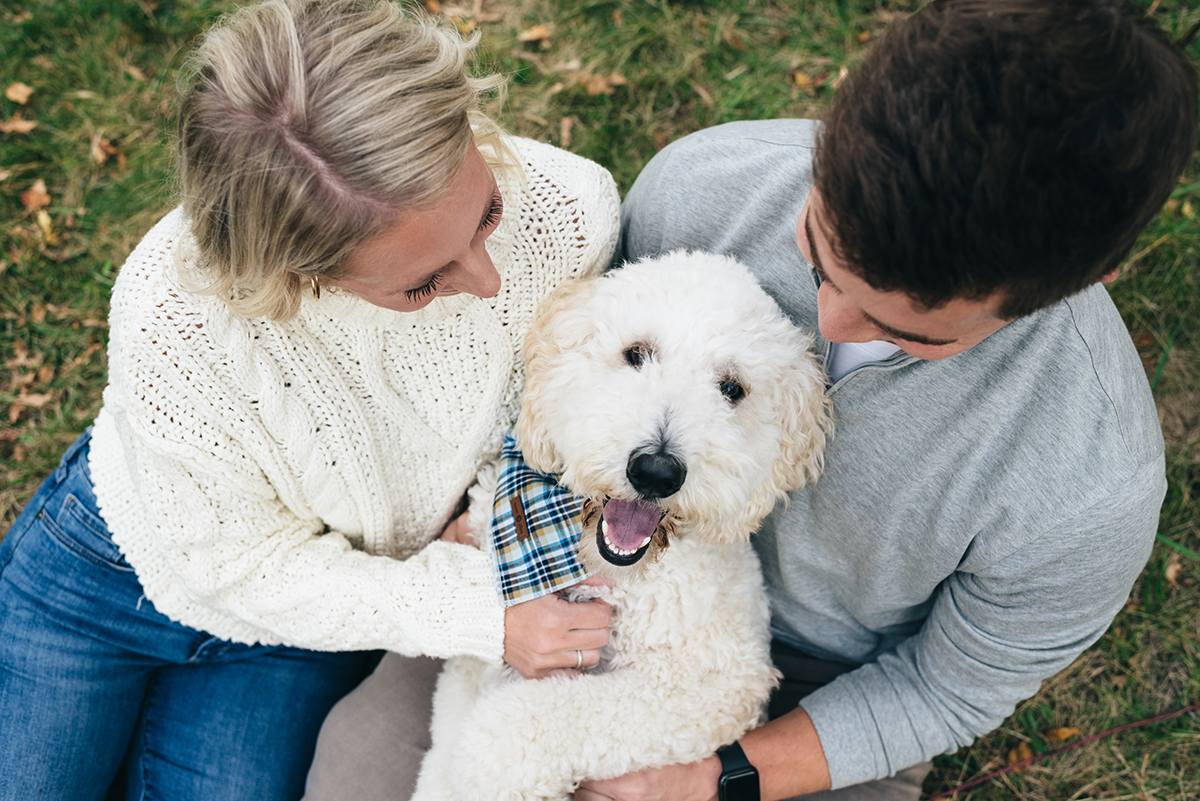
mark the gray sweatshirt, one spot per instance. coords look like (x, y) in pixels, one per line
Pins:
(981, 518)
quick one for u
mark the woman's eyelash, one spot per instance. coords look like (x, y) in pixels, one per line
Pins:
(426, 289)
(494, 213)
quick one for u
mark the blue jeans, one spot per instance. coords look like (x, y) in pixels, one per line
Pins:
(103, 697)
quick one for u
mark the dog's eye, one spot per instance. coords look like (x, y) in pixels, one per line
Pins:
(732, 390)
(636, 355)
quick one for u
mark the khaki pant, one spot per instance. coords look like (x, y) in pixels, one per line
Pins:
(371, 745)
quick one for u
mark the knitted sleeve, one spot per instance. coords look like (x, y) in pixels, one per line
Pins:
(225, 514)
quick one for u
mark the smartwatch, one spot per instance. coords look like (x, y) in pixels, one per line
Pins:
(739, 779)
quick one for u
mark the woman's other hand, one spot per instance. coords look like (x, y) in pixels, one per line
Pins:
(549, 634)
(459, 530)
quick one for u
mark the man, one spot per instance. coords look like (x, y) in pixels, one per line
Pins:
(993, 487)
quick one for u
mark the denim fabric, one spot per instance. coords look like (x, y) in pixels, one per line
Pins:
(103, 697)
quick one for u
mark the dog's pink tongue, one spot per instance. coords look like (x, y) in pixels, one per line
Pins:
(630, 522)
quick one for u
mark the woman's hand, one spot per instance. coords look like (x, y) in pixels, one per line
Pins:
(696, 781)
(459, 530)
(549, 634)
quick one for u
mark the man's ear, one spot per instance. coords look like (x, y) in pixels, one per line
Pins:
(1110, 276)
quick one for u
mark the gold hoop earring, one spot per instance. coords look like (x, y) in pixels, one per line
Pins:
(316, 287)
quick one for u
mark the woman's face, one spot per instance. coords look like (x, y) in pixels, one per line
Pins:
(433, 251)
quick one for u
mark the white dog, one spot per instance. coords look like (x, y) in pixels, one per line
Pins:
(676, 398)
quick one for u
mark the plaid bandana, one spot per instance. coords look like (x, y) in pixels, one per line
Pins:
(535, 531)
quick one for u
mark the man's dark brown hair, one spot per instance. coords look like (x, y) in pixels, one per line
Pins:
(1017, 146)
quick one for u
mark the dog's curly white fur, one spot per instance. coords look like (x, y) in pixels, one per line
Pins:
(684, 358)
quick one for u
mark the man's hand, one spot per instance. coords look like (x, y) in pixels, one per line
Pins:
(786, 751)
(696, 781)
(549, 634)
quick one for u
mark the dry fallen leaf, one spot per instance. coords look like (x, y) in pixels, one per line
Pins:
(135, 73)
(18, 93)
(800, 79)
(1171, 574)
(538, 33)
(863, 37)
(36, 197)
(601, 84)
(564, 133)
(4, 174)
(36, 401)
(1061, 735)
(1019, 754)
(50, 237)
(101, 149)
(17, 125)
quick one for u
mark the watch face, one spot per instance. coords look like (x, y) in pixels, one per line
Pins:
(739, 785)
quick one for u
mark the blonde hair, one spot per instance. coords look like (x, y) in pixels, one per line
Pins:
(305, 127)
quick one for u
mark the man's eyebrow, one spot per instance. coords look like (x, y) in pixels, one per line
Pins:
(887, 329)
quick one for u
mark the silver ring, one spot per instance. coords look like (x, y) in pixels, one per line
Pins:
(578, 659)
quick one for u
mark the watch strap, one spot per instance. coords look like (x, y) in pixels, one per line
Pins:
(735, 764)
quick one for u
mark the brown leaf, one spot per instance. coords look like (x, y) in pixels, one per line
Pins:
(38, 313)
(18, 93)
(1171, 573)
(800, 79)
(1019, 754)
(135, 73)
(1061, 735)
(538, 33)
(36, 401)
(17, 125)
(564, 133)
(100, 149)
(863, 37)
(601, 84)
(81, 358)
(36, 196)
(21, 357)
(46, 374)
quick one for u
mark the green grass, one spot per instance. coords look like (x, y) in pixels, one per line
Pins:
(105, 70)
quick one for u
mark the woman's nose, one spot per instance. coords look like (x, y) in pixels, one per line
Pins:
(478, 276)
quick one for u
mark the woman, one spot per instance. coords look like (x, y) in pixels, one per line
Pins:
(308, 361)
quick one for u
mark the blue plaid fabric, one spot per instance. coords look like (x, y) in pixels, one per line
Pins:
(535, 531)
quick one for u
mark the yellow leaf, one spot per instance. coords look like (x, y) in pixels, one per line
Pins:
(1019, 754)
(18, 93)
(36, 196)
(17, 125)
(50, 238)
(538, 33)
(800, 79)
(1187, 209)
(1061, 735)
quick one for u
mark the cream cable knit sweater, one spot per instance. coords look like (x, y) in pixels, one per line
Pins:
(285, 482)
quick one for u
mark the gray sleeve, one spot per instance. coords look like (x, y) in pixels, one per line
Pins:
(992, 637)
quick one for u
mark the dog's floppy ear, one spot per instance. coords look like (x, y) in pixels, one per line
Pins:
(560, 324)
(806, 417)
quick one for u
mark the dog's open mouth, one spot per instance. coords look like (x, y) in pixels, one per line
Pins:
(626, 529)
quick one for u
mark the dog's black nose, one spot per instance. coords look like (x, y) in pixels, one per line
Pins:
(655, 475)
